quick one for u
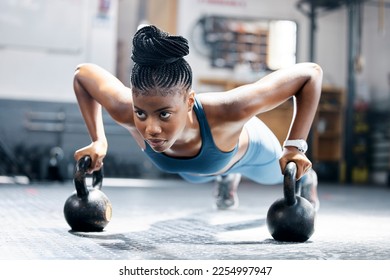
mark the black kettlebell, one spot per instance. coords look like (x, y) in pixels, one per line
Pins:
(291, 218)
(88, 208)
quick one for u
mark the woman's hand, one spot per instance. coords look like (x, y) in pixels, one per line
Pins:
(300, 159)
(97, 150)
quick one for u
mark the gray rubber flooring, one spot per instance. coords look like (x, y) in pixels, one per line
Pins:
(173, 220)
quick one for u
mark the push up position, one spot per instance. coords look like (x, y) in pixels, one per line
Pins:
(213, 136)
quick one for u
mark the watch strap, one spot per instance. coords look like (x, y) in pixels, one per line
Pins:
(300, 144)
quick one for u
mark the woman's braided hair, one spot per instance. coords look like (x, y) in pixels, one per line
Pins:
(158, 61)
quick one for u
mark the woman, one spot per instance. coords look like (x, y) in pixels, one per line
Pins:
(213, 136)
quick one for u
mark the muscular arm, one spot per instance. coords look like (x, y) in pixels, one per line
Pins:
(95, 88)
(301, 81)
(304, 83)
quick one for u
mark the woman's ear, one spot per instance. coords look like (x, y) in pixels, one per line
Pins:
(191, 100)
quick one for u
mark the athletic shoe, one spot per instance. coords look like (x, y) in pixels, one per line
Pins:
(226, 191)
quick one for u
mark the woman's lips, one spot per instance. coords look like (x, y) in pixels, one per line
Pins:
(156, 143)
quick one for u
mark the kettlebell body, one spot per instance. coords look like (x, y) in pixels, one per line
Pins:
(292, 218)
(293, 223)
(90, 213)
(88, 208)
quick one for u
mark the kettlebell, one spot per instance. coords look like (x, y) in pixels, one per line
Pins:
(88, 208)
(292, 218)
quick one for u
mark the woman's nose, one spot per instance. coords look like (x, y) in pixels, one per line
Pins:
(153, 128)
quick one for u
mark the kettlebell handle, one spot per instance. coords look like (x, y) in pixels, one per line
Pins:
(80, 174)
(289, 183)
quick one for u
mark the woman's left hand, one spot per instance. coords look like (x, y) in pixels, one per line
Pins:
(300, 159)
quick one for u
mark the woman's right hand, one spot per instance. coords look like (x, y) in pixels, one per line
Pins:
(97, 150)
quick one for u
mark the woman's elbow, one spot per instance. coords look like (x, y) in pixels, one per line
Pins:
(318, 70)
(78, 77)
(314, 70)
(78, 71)
(313, 77)
(314, 73)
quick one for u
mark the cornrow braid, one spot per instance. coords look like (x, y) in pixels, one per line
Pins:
(158, 60)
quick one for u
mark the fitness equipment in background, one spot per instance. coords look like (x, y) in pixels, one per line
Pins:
(88, 208)
(292, 218)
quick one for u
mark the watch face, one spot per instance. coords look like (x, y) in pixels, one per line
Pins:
(302, 146)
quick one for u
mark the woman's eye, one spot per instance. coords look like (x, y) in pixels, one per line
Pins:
(165, 115)
(140, 114)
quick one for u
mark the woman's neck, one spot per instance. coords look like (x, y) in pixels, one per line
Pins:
(189, 142)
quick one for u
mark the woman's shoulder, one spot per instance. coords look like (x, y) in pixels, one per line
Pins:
(213, 103)
(224, 106)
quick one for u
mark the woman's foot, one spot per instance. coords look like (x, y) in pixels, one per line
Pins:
(226, 191)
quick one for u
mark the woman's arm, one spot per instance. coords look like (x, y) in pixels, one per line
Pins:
(94, 87)
(303, 81)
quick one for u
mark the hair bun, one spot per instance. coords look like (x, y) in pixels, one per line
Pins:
(153, 47)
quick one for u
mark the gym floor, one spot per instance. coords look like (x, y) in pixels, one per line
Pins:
(174, 220)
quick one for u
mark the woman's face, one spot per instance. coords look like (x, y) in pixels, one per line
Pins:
(161, 118)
